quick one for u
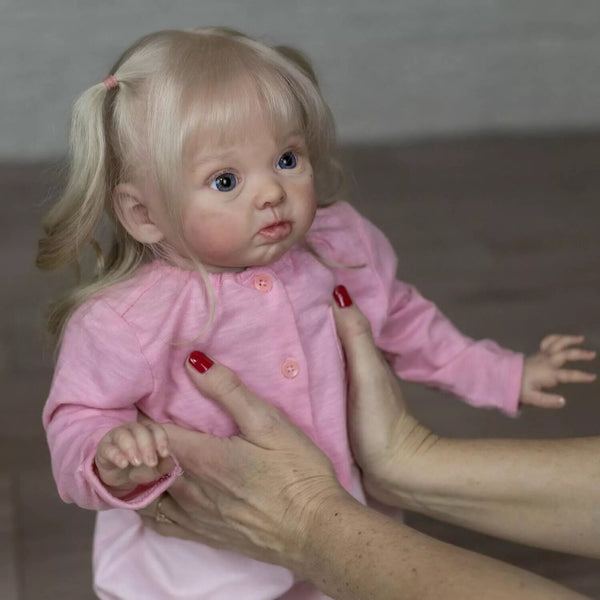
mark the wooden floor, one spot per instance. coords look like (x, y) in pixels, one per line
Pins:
(501, 232)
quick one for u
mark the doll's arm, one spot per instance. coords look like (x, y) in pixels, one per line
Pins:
(423, 345)
(420, 342)
(100, 375)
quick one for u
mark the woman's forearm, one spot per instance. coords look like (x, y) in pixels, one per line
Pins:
(355, 553)
(544, 493)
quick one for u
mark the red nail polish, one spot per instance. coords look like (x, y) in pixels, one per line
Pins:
(200, 361)
(342, 297)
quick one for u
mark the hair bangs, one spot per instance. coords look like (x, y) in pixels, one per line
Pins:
(221, 110)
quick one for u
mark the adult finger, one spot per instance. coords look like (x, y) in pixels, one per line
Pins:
(258, 421)
(353, 328)
(375, 401)
(167, 522)
(167, 529)
(368, 371)
(197, 451)
(174, 522)
(365, 362)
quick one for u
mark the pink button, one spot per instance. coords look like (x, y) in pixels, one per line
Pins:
(263, 282)
(290, 369)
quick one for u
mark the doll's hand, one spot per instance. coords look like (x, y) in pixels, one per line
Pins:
(543, 370)
(133, 454)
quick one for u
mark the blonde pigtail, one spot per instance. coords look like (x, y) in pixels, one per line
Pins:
(70, 225)
(72, 221)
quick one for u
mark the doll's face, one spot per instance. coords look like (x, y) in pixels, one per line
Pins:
(247, 201)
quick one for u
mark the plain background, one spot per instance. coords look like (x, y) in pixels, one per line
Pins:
(389, 68)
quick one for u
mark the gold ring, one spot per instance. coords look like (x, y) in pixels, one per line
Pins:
(160, 516)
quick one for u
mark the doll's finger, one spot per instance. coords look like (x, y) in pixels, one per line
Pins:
(161, 441)
(125, 440)
(144, 474)
(544, 400)
(573, 376)
(548, 341)
(145, 442)
(161, 446)
(111, 455)
(571, 355)
(560, 342)
(165, 465)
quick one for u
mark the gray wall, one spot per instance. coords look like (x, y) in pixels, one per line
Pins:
(389, 68)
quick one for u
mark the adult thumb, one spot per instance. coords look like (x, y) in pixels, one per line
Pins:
(255, 418)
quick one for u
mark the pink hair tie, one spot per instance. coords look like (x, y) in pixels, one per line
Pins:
(111, 82)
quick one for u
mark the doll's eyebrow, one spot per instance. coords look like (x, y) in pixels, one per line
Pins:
(291, 136)
(201, 159)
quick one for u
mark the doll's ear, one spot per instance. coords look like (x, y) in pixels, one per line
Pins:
(132, 211)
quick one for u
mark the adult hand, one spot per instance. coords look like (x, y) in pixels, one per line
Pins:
(539, 492)
(255, 493)
(272, 495)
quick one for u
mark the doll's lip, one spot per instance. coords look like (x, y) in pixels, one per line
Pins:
(275, 232)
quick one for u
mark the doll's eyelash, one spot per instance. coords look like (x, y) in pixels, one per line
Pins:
(218, 173)
(218, 181)
(299, 151)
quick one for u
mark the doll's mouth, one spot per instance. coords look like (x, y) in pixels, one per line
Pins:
(276, 231)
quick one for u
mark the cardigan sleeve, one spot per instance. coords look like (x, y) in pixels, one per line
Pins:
(422, 345)
(100, 374)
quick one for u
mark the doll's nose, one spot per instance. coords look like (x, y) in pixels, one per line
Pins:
(270, 193)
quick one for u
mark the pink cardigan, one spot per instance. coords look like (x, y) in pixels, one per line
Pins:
(274, 327)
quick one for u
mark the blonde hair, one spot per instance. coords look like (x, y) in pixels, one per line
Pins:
(170, 86)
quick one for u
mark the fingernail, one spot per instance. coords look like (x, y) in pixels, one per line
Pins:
(342, 297)
(200, 361)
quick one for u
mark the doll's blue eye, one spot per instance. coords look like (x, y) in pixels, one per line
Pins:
(224, 182)
(287, 160)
